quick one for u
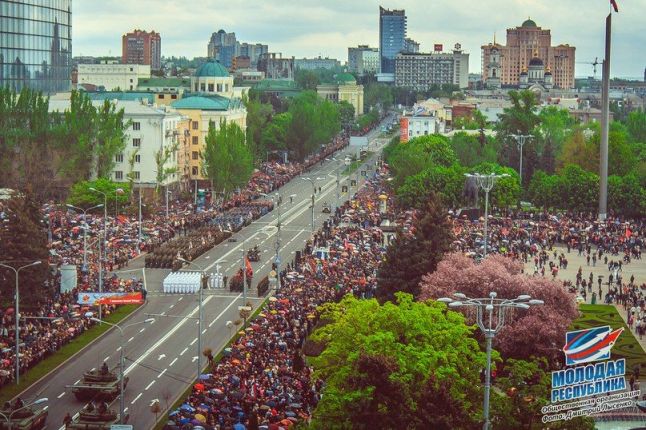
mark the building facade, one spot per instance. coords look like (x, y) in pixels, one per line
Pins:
(363, 59)
(276, 67)
(253, 51)
(316, 63)
(523, 44)
(141, 47)
(411, 46)
(392, 37)
(223, 47)
(421, 71)
(345, 89)
(36, 45)
(113, 76)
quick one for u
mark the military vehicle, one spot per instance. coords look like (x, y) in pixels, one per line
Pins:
(94, 418)
(101, 384)
(20, 418)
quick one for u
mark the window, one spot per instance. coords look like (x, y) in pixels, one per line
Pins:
(194, 171)
(118, 175)
(196, 155)
(137, 158)
(202, 87)
(195, 125)
(135, 175)
(173, 96)
(136, 126)
(161, 96)
(195, 140)
(136, 142)
(219, 88)
(118, 158)
(210, 88)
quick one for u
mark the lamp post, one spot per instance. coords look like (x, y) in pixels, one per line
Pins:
(167, 193)
(102, 242)
(491, 326)
(121, 363)
(34, 403)
(486, 182)
(85, 226)
(17, 272)
(117, 193)
(521, 140)
(313, 193)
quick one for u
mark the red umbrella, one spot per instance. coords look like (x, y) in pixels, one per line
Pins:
(199, 387)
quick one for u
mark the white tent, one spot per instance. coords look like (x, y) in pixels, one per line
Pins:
(182, 282)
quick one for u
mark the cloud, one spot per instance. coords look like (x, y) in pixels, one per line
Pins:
(314, 27)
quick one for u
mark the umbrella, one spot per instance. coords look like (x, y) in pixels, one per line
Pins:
(235, 362)
(241, 332)
(187, 408)
(199, 387)
(249, 329)
(205, 376)
(272, 299)
(200, 418)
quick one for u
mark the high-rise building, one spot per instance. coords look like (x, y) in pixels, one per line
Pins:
(316, 63)
(223, 47)
(253, 51)
(421, 71)
(141, 47)
(392, 35)
(36, 45)
(363, 59)
(503, 65)
(276, 67)
(411, 46)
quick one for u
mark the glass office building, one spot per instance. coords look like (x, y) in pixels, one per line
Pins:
(392, 35)
(36, 44)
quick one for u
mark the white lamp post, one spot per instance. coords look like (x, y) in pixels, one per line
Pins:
(521, 139)
(486, 182)
(313, 193)
(102, 252)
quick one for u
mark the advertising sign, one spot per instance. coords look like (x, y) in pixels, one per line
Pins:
(591, 383)
(438, 47)
(94, 298)
(403, 129)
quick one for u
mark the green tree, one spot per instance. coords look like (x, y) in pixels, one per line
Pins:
(82, 196)
(314, 122)
(378, 96)
(226, 160)
(161, 158)
(555, 126)
(579, 189)
(346, 114)
(306, 79)
(447, 183)
(580, 151)
(506, 191)
(274, 135)
(259, 116)
(396, 365)
(110, 137)
(22, 241)
(636, 124)
(415, 253)
(470, 150)
(626, 195)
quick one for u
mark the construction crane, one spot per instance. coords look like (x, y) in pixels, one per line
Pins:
(594, 66)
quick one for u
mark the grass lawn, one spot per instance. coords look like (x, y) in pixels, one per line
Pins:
(626, 347)
(44, 367)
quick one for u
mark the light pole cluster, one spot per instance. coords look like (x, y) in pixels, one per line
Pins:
(17, 273)
(486, 182)
(521, 140)
(121, 361)
(490, 325)
(313, 193)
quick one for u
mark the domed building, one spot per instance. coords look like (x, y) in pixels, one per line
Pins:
(344, 88)
(535, 77)
(211, 100)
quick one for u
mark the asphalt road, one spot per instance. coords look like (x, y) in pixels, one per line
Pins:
(161, 357)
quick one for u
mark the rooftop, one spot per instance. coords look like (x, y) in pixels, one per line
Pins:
(203, 102)
(121, 95)
(163, 82)
(529, 23)
(212, 68)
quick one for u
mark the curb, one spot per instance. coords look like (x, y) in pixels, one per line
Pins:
(133, 313)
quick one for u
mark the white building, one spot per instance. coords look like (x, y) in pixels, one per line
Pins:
(363, 59)
(420, 121)
(152, 129)
(420, 71)
(316, 63)
(113, 76)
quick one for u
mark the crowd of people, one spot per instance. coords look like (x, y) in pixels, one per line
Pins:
(59, 319)
(263, 381)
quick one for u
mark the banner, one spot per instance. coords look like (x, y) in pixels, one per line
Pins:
(92, 298)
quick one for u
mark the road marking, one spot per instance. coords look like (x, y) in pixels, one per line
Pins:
(118, 349)
(161, 373)
(195, 357)
(203, 331)
(197, 322)
(93, 369)
(130, 340)
(172, 362)
(211, 323)
(171, 306)
(182, 353)
(61, 395)
(150, 385)
(125, 410)
(136, 398)
(161, 356)
(45, 408)
(77, 381)
(142, 330)
(106, 358)
(180, 298)
(193, 342)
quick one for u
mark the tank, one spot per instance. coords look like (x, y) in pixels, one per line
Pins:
(101, 384)
(24, 419)
(95, 418)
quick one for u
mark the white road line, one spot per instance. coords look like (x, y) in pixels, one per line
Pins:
(106, 358)
(136, 398)
(171, 306)
(184, 351)
(150, 385)
(77, 381)
(197, 322)
(142, 330)
(193, 342)
(162, 372)
(45, 408)
(130, 340)
(203, 331)
(180, 298)
(93, 369)
(211, 323)
(118, 349)
(125, 409)
(61, 395)
(172, 362)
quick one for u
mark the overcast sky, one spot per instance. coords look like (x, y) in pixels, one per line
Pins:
(307, 28)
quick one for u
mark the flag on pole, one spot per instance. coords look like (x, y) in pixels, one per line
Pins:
(248, 267)
(614, 5)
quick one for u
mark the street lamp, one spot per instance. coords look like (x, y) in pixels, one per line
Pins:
(313, 193)
(521, 140)
(102, 242)
(167, 193)
(34, 403)
(204, 280)
(490, 327)
(85, 227)
(486, 182)
(121, 363)
(17, 272)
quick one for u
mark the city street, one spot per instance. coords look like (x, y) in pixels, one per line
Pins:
(161, 357)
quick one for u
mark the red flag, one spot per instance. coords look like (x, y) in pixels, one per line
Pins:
(629, 232)
(247, 264)
(614, 5)
(122, 219)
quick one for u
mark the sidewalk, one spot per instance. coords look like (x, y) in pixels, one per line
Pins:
(635, 267)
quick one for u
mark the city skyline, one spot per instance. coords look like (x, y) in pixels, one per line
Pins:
(329, 29)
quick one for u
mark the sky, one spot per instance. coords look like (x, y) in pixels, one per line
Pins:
(308, 28)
